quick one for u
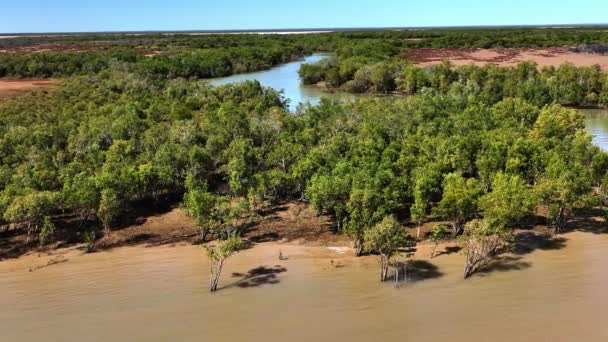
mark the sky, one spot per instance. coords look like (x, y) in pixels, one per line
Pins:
(20, 16)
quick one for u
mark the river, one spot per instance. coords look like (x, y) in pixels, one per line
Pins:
(554, 293)
(596, 122)
(160, 294)
(284, 77)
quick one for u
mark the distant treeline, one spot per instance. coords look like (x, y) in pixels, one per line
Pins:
(210, 63)
(61, 64)
(437, 38)
(202, 56)
(204, 63)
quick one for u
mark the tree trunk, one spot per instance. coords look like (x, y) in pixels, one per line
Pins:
(204, 232)
(418, 233)
(467, 270)
(215, 275)
(433, 251)
(383, 267)
(29, 234)
(396, 276)
(457, 227)
(358, 247)
(560, 220)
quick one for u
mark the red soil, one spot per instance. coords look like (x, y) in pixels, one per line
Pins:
(14, 87)
(505, 57)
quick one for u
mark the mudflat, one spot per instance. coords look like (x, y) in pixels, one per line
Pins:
(506, 57)
(14, 87)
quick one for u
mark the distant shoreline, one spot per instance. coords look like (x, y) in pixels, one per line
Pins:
(292, 30)
(18, 35)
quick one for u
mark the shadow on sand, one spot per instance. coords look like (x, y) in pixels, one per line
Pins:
(504, 263)
(524, 243)
(448, 251)
(417, 270)
(257, 277)
(589, 221)
(528, 242)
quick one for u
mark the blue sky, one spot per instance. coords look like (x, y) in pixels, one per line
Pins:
(134, 15)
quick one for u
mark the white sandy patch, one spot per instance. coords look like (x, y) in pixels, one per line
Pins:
(339, 250)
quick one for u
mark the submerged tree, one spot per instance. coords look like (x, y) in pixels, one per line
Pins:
(217, 256)
(386, 238)
(480, 243)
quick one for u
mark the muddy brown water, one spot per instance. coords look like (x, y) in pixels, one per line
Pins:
(160, 294)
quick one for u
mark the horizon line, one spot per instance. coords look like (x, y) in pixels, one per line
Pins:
(302, 30)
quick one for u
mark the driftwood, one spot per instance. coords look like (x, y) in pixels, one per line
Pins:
(54, 261)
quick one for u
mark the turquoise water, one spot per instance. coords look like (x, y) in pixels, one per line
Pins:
(596, 123)
(284, 77)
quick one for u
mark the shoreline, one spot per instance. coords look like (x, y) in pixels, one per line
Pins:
(341, 253)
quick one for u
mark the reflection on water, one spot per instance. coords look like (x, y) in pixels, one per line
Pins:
(596, 121)
(160, 294)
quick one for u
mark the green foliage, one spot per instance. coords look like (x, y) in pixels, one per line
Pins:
(509, 201)
(80, 192)
(31, 209)
(225, 248)
(110, 206)
(90, 238)
(469, 142)
(565, 85)
(386, 238)
(480, 243)
(565, 185)
(47, 230)
(460, 200)
(439, 233)
(203, 207)
(213, 213)
(218, 254)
